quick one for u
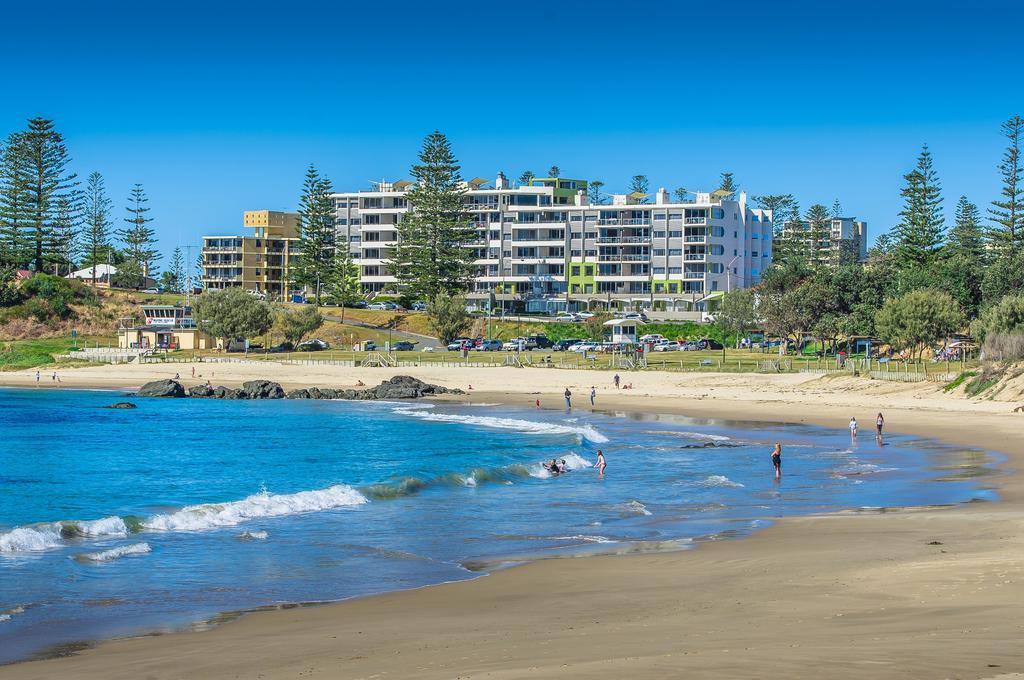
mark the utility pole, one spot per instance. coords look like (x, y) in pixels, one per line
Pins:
(188, 275)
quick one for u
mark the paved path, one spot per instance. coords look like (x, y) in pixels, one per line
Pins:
(419, 339)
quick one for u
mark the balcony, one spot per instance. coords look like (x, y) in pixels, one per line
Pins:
(695, 221)
(624, 239)
(696, 239)
(694, 257)
(623, 258)
(624, 221)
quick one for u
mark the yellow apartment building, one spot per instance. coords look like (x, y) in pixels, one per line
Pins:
(261, 261)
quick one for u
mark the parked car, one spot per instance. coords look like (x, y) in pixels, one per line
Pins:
(489, 346)
(151, 290)
(563, 345)
(567, 318)
(634, 316)
(652, 337)
(690, 346)
(583, 316)
(538, 342)
(514, 345)
(457, 344)
(369, 346)
(403, 346)
(666, 346)
(360, 305)
(314, 345)
(581, 347)
(283, 347)
(708, 343)
(418, 307)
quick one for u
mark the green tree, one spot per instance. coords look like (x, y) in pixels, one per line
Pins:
(343, 284)
(1005, 316)
(316, 232)
(67, 225)
(526, 177)
(963, 266)
(837, 209)
(594, 191)
(681, 193)
(295, 325)
(920, 231)
(448, 316)
(96, 213)
(232, 314)
(138, 237)
(48, 179)
(727, 183)
(737, 314)
(918, 319)
(129, 275)
(819, 232)
(1004, 276)
(638, 185)
(554, 171)
(197, 280)
(14, 250)
(967, 236)
(1007, 212)
(173, 278)
(433, 257)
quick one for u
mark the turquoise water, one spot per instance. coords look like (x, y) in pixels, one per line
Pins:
(118, 522)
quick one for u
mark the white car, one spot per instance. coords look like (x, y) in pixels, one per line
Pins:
(666, 346)
(581, 347)
(379, 306)
(514, 345)
(585, 315)
(656, 338)
(566, 318)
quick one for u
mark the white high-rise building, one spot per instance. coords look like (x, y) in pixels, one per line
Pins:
(545, 247)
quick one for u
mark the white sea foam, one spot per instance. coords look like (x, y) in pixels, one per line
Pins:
(573, 461)
(213, 515)
(705, 435)
(8, 613)
(523, 426)
(252, 536)
(115, 553)
(857, 468)
(108, 526)
(632, 508)
(30, 539)
(720, 480)
(585, 538)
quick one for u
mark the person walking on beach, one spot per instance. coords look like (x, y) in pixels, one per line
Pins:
(537, 403)
(853, 427)
(777, 460)
(568, 398)
(37, 378)
(600, 464)
(617, 381)
(593, 394)
(879, 424)
(54, 378)
(193, 372)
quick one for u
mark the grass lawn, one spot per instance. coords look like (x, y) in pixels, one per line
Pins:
(21, 354)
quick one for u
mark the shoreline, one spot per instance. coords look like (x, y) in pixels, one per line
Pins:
(395, 631)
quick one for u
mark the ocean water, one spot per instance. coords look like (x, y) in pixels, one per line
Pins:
(122, 522)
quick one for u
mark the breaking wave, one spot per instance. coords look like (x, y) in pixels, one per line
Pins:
(524, 426)
(115, 553)
(41, 537)
(632, 509)
(573, 461)
(720, 481)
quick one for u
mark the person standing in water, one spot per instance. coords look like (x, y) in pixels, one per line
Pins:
(568, 398)
(600, 464)
(879, 424)
(593, 394)
(777, 460)
(853, 427)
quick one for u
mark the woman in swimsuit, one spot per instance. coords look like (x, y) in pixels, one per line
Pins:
(777, 460)
(600, 465)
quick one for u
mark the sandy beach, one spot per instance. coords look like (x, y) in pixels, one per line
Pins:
(897, 593)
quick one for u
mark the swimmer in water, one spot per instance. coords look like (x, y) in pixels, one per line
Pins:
(600, 464)
(777, 460)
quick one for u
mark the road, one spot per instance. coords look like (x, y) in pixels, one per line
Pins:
(420, 340)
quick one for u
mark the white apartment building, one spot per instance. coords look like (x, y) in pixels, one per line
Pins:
(845, 241)
(544, 247)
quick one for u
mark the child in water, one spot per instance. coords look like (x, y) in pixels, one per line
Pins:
(777, 460)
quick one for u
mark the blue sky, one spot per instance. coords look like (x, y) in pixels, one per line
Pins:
(218, 107)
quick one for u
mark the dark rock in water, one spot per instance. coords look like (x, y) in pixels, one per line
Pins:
(406, 387)
(260, 389)
(301, 393)
(162, 388)
(221, 392)
(201, 391)
(122, 404)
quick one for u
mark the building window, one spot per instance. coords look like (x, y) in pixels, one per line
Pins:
(659, 234)
(659, 270)
(575, 271)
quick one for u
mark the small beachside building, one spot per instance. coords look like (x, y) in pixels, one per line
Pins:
(167, 327)
(620, 330)
(100, 277)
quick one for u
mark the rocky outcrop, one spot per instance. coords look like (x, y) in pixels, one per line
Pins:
(162, 388)
(260, 389)
(399, 387)
(122, 404)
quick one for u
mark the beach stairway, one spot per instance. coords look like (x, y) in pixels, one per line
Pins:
(378, 359)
